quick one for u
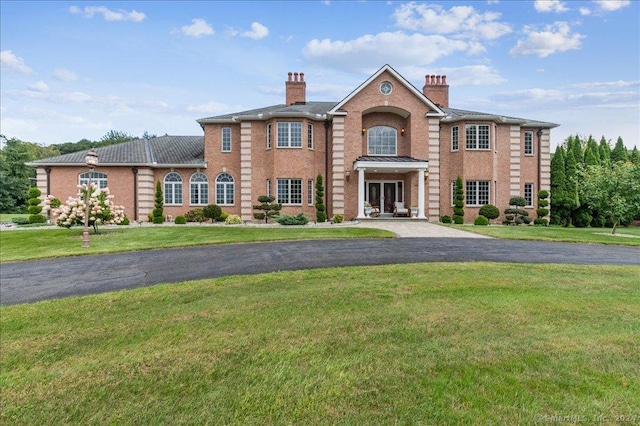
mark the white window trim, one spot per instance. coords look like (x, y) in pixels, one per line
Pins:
(224, 192)
(532, 193)
(222, 141)
(269, 142)
(477, 139)
(174, 184)
(309, 136)
(200, 185)
(382, 155)
(289, 180)
(528, 154)
(310, 192)
(457, 139)
(288, 145)
(477, 193)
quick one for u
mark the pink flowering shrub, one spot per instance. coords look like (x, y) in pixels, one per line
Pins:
(102, 210)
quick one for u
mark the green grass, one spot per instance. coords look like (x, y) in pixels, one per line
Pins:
(6, 217)
(624, 236)
(462, 343)
(29, 244)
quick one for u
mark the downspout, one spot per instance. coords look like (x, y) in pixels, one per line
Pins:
(134, 169)
(539, 133)
(48, 171)
(326, 167)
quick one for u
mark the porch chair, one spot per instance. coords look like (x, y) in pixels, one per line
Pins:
(399, 209)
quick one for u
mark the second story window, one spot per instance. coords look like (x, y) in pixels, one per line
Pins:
(289, 134)
(269, 136)
(382, 140)
(477, 137)
(528, 143)
(310, 136)
(98, 179)
(455, 138)
(226, 139)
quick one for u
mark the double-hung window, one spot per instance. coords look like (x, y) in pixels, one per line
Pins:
(310, 192)
(528, 143)
(455, 138)
(382, 140)
(226, 139)
(199, 189)
(310, 136)
(172, 189)
(528, 194)
(289, 134)
(477, 136)
(269, 136)
(224, 189)
(290, 191)
(97, 179)
(477, 192)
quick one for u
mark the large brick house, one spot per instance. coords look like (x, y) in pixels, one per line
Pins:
(386, 142)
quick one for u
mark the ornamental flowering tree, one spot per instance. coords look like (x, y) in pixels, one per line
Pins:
(102, 210)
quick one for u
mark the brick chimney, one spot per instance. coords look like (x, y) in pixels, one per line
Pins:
(437, 90)
(296, 89)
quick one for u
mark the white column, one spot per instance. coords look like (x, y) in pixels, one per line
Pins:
(361, 191)
(421, 194)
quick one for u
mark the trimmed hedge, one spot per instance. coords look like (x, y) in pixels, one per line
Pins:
(180, 220)
(481, 220)
(445, 219)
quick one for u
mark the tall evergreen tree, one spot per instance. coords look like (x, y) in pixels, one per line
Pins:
(605, 152)
(592, 152)
(458, 203)
(558, 214)
(619, 152)
(635, 156)
(570, 187)
(321, 214)
(576, 148)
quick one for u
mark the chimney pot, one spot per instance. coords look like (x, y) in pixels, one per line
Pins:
(301, 76)
(295, 76)
(290, 74)
(438, 80)
(444, 79)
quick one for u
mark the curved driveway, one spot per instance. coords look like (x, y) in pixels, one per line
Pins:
(24, 282)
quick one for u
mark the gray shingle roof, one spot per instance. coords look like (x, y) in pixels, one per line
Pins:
(309, 109)
(159, 151)
(454, 114)
(388, 159)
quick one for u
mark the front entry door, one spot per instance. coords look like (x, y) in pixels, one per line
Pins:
(374, 194)
(389, 196)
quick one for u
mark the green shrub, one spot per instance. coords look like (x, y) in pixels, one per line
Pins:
(36, 218)
(481, 220)
(582, 219)
(321, 216)
(150, 216)
(526, 219)
(299, 219)
(223, 216)
(458, 220)
(34, 192)
(445, 219)
(543, 203)
(195, 215)
(517, 201)
(34, 205)
(213, 212)
(55, 203)
(180, 220)
(125, 221)
(540, 222)
(158, 220)
(338, 218)
(489, 211)
(233, 219)
(458, 211)
(20, 220)
(541, 212)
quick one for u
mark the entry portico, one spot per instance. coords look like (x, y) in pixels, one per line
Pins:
(385, 184)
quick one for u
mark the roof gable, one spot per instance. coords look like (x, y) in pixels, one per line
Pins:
(437, 111)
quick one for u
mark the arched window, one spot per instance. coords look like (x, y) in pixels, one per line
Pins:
(199, 189)
(99, 179)
(224, 189)
(172, 189)
(382, 140)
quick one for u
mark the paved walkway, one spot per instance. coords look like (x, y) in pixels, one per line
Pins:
(418, 229)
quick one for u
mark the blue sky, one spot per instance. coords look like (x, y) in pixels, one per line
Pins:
(73, 70)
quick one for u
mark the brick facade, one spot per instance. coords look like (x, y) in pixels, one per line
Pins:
(417, 167)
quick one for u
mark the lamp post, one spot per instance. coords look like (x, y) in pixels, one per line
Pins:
(91, 160)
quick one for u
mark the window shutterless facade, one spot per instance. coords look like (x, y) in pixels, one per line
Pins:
(226, 139)
(455, 138)
(477, 137)
(528, 194)
(98, 179)
(199, 189)
(528, 143)
(382, 140)
(224, 189)
(477, 192)
(310, 136)
(290, 191)
(172, 189)
(289, 134)
(268, 187)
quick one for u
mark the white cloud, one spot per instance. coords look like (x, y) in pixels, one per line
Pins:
(464, 21)
(108, 15)
(60, 97)
(211, 108)
(65, 75)
(550, 6)
(258, 31)
(619, 83)
(366, 53)
(553, 39)
(39, 86)
(11, 62)
(199, 27)
(585, 11)
(612, 5)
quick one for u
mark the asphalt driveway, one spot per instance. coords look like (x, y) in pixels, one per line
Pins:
(23, 282)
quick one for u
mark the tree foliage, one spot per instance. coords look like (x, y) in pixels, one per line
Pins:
(458, 202)
(613, 191)
(321, 214)
(158, 205)
(267, 208)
